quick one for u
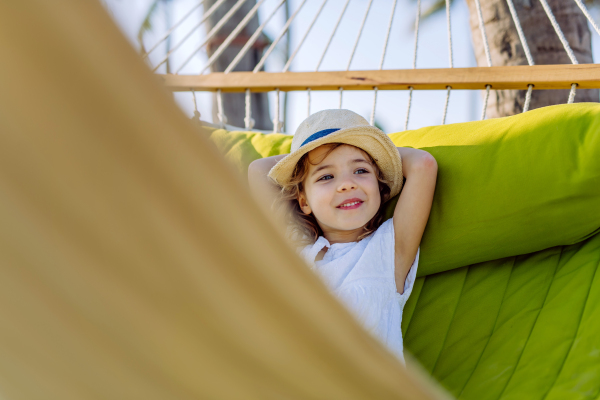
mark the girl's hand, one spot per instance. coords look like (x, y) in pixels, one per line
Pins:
(413, 208)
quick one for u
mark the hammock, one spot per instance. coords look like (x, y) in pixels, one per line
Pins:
(133, 263)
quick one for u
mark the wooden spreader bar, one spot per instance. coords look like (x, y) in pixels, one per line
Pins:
(587, 76)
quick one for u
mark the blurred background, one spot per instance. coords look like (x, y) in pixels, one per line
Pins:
(145, 22)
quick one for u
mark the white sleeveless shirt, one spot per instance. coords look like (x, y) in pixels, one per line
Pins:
(361, 274)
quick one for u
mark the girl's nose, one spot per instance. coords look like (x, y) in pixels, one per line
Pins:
(346, 185)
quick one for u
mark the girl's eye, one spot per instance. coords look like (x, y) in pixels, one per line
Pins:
(362, 171)
(325, 178)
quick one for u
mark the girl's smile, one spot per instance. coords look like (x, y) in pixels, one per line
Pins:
(350, 204)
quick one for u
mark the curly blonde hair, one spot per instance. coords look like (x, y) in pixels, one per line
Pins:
(304, 228)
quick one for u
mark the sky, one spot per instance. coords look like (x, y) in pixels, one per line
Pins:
(433, 52)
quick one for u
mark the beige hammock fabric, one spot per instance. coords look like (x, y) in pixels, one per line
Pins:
(133, 263)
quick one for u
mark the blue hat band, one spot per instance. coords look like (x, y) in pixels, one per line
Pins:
(319, 135)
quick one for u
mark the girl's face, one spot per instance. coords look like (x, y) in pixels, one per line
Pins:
(341, 190)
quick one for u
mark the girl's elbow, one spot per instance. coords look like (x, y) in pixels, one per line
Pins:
(428, 162)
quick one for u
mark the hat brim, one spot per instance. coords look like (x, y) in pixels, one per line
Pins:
(368, 138)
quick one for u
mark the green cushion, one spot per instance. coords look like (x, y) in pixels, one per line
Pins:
(506, 186)
(523, 327)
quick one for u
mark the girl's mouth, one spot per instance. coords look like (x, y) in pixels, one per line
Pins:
(350, 206)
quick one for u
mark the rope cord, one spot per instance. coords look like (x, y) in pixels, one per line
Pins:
(385, 44)
(517, 22)
(486, 47)
(308, 103)
(527, 98)
(276, 124)
(488, 57)
(360, 31)
(332, 35)
(446, 105)
(220, 113)
(283, 32)
(372, 121)
(289, 61)
(248, 120)
(205, 16)
(387, 35)
(449, 33)
(485, 101)
(565, 44)
(559, 31)
(209, 35)
(196, 112)
(231, 36)
(252, 40)
(572, 93)
(451, 63)
(587, 15)
(410, 88)
(341, 97)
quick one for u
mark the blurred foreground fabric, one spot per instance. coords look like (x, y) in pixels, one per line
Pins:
(133, 262)
(507, 304)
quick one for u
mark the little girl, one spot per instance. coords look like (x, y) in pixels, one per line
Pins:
(336, 180)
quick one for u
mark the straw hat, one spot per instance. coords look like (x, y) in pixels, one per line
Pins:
(342, 126)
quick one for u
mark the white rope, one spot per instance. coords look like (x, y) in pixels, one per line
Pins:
(517, 22)
(372, 122)
(230, 38)
(360, 31)
(559, 32)
(486, 47)
(332, 35)
(196, 112)
(449, 33)
(485, 102)
(587, 14)
(248, 120)
(414, 65)
(385, 44)
(252, 40)
(451, 63)
(572, 93)
(209, 35)
(283, 32)
(220, 113)
(410, 90)
(446, 105)
(387, 35)
(488, 57)
(565, 44)
(276, 124)
(527, 98)
(205, 16)
(289, 61)
(308, 103)
(341, 97)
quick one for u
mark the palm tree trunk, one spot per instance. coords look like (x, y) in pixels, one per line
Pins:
(544, 44)
(234, 103)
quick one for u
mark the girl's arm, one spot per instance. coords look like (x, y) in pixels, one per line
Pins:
(413, 207)
(262, 188)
